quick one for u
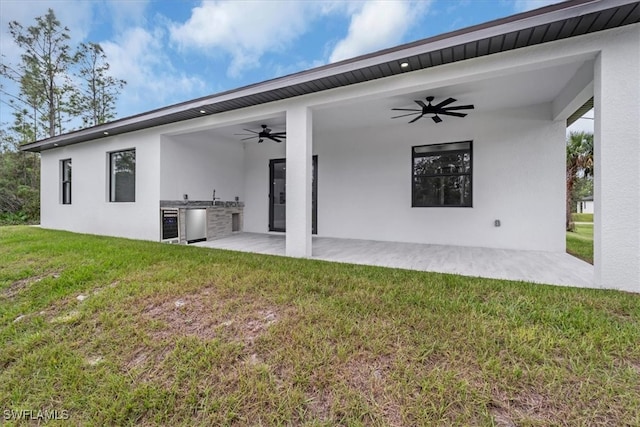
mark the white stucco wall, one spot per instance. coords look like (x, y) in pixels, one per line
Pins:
(197, 166)
(616, 195)
(364, 182)
(90, 211)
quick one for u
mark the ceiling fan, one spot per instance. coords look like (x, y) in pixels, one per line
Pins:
(436, 110)
(264, 133)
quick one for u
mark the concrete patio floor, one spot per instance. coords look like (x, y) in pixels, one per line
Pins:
(530, 266)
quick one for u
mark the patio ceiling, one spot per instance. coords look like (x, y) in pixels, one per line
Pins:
(496, 93)
(522, 89)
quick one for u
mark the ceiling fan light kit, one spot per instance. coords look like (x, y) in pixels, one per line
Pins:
(435, 111)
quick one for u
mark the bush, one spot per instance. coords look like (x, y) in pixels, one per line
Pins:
(14, 218)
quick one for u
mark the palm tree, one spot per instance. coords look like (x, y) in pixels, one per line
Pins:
(579, 164)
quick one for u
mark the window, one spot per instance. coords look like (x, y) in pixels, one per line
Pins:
(442, 175)
(66, 181)
(122, 176)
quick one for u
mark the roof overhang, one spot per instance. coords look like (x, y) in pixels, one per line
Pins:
(555, 22)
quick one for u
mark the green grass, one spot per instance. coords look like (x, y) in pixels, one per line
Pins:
(582, 217)
(580, 242)
(176, 335)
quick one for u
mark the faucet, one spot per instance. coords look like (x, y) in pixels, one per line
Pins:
(214, 196)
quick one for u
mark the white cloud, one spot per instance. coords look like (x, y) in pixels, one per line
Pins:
(377, 25)
(244, 30)
(137, 56)
(523, 5)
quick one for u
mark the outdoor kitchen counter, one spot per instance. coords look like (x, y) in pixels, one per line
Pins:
(199, 204)
(222, 218)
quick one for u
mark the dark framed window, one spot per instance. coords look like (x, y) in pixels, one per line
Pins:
(122, 176)
(65, 166)
(442, 175)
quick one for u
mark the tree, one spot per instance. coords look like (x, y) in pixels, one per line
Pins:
(579, 165)
(42, 74)
(19, 182)
(95, 100)
(54, 89)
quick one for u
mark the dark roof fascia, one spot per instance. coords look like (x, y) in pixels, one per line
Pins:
(275, 88)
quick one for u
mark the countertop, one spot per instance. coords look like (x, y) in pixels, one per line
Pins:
(199, 204)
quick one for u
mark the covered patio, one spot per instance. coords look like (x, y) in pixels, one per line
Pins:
(530, 266)
(355, 171)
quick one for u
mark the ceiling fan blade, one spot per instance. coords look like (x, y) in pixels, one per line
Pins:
(406, 109)
(275, 139)
(452, 114)
(405, 115)
(252, 131)
(242, 134)
(417, 118)
(445, 102)
(420, 103)
(459, 107)
(251, 137)
(282, 134)
(436, 119)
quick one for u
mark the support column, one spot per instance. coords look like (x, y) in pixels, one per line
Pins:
(299, 154)
(617, 165)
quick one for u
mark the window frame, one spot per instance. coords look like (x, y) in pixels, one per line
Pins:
(65, 182)
(110, 175)
(415, 155)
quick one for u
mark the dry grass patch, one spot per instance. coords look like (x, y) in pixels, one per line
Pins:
(144, 355)
(21, 285)
(190, 315)
(369, 376)
(318, 404)
(529, 407)
(206, 314)
(501, 416)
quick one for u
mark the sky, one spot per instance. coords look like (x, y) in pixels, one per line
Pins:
(169, 51)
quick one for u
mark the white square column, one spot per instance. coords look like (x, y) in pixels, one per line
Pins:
(299, 181)
(617, 164)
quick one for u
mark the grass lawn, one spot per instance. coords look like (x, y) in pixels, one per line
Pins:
(580, 242)
(176, 335)
(582, 217)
